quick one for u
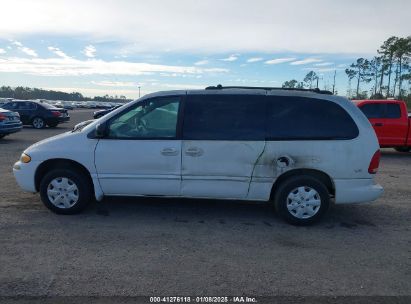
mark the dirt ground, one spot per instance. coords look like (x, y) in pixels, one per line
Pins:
(201, 247)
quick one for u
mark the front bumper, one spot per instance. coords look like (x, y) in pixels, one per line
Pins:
(348, 191)
(24, 174)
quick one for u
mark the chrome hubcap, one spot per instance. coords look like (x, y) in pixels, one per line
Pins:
(303, 202)
(62, 192)
(38, 123)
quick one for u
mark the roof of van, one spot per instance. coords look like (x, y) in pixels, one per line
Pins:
(245, 90)
(377, 101)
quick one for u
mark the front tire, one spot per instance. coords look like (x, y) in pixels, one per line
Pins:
(65, 191)
(38, 123)
(302, 200)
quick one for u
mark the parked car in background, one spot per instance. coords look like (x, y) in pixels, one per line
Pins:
(9, 122)
(101, 113)
(391, 122)
(259, 144)
(38, 114)
(68, 105)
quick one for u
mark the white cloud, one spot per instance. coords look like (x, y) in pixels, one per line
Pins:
(324, 70)
(124, 84)
(255, 59)
(2, 51)
(201, 62)
(230, 58)
(324, 64)
(305, 61)
(90, 51)
(28, 51)
(75, 67)
(279, 60)
(57, 51)
(205, 26)
(24, 49)
(16, 43)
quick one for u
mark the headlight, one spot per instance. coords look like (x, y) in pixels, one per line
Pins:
(25, 158)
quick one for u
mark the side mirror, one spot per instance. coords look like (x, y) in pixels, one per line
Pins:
(101, 130)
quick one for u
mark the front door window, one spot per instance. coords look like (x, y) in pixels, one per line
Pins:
(154, 119)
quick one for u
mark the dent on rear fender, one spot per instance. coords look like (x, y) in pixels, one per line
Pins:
(275, 165)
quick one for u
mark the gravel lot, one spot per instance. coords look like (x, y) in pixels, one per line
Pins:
(201, 247)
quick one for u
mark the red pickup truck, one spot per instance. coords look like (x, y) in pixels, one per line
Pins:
(391, 122)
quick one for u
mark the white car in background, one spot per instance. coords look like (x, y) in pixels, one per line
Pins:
(298, 149)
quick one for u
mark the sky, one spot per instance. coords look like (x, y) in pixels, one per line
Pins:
(114, 47)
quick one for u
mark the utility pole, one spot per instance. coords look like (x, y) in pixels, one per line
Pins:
(335, 73)
(139, 92)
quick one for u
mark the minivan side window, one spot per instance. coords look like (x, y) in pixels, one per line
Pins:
(300, 118)
(150, 119)
(224, 117)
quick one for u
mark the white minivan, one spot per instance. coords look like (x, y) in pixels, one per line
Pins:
(298, 149)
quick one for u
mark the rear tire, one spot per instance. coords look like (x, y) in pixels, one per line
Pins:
(302, 200)
(403, 149)
(38, 123)
(65, 191)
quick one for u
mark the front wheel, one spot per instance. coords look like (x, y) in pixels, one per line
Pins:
(302, 200)
(65, 191)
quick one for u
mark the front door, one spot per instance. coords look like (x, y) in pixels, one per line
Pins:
(141, 154)
(223, 136)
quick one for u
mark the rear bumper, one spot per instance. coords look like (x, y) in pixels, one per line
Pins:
(348, 191)
(57, 120)
(11, 128)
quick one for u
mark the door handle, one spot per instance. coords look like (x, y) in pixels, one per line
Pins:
(194, 151)
(169, 152)
(378, 124)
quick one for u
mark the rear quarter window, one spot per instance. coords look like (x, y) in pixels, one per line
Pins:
(300, 118)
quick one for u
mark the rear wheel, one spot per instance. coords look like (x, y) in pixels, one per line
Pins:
(403, 149)
(302, 200)
(65, 191)
(38, 123)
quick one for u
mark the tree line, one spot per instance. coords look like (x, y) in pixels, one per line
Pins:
(34, 93)
(385, 74)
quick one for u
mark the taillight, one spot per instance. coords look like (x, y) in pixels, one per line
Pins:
(375, 162)
(56, 113)
(2, 117)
